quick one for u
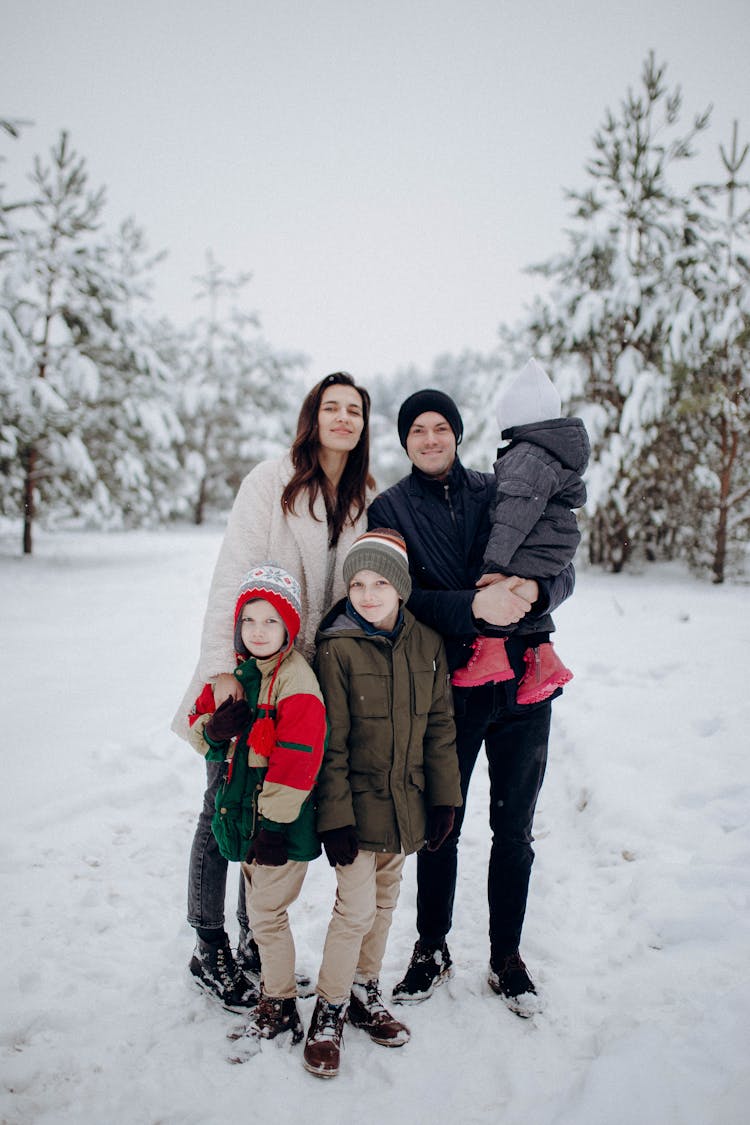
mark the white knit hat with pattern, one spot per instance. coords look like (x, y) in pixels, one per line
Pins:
(277, 587)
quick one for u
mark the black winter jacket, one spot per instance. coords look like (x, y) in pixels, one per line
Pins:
(446, 525)
(534, 531)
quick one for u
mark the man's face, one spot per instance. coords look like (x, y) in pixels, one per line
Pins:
(431, 444)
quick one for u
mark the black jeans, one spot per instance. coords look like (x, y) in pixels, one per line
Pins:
(516, 747)
(207, 878)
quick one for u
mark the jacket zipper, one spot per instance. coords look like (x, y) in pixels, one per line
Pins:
(449, 502)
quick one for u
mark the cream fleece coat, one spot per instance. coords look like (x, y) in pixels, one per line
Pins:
(257, 532)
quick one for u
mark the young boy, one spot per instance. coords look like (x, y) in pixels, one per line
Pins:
(534, 532)
(389, 782)
(280, 726)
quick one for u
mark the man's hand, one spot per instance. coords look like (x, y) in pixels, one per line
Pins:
(440, 820)
(227, 687)
(504, 602)
(526, 587)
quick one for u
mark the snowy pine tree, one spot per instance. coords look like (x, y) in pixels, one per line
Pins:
(88, 429)
(239, 400)
(603, 327)
(709, 345)
(133, 434)
(47, 381)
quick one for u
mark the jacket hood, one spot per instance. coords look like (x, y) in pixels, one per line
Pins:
(565, 439)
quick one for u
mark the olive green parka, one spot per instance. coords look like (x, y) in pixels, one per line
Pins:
(391, 751)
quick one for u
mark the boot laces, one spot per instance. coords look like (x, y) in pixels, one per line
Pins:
(329, 1016)
(224, 969)
(373, 1000)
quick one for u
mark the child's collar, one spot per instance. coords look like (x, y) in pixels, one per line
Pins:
(372, 630)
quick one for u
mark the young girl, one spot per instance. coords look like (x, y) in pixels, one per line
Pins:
(388, 785)
(534, 531)
(279, 724)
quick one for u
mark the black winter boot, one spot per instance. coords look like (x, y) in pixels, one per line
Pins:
(248, 954)
(509, 978)
(248, 959)
(216, 972)
(430, 965)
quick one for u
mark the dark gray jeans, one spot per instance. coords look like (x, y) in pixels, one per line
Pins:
(207, 879)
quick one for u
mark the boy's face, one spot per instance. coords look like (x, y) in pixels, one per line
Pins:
(375, 599)
(263, 631)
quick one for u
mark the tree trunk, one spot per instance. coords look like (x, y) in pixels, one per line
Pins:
(200, 504)
(729, 446)
(29, 460)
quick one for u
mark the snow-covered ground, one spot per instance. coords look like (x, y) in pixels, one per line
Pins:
(638, 928)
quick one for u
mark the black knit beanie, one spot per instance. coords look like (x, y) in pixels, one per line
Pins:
(422, 401)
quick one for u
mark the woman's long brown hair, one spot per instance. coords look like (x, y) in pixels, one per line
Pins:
(347, 502)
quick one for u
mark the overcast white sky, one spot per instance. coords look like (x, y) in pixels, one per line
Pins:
(384, 168)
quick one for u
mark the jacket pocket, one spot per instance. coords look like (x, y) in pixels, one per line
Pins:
(416, 778)
(518, 487)
(368, 696)
(375, 781)
(422, 693)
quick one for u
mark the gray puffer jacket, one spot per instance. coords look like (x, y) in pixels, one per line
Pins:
(534, 531)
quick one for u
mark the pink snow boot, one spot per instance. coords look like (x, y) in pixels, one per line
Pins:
(545, 673)
(488, 664)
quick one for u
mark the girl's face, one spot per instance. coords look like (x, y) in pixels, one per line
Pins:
(340, 418)
(375, 599)
(263, 632)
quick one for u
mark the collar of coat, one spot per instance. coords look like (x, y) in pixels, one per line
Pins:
(460, 481)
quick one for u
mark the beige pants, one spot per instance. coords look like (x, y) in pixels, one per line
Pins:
(270, 893)
(366, 895)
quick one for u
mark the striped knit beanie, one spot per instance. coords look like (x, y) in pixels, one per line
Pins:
(280, 589)
(382, 550)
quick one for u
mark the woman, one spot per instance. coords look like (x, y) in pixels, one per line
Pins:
(303, 512)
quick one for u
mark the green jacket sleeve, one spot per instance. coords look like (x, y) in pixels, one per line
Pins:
(442, 778)
(335, 807)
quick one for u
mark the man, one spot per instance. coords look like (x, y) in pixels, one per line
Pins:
(443, 512)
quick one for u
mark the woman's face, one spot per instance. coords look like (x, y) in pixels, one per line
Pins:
(340, 418)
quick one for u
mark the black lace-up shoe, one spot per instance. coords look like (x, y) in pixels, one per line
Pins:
(215, 970)
(430, 965)
(248, 954)
(510, 979)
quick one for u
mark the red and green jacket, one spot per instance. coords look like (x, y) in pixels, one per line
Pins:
(283, 757)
